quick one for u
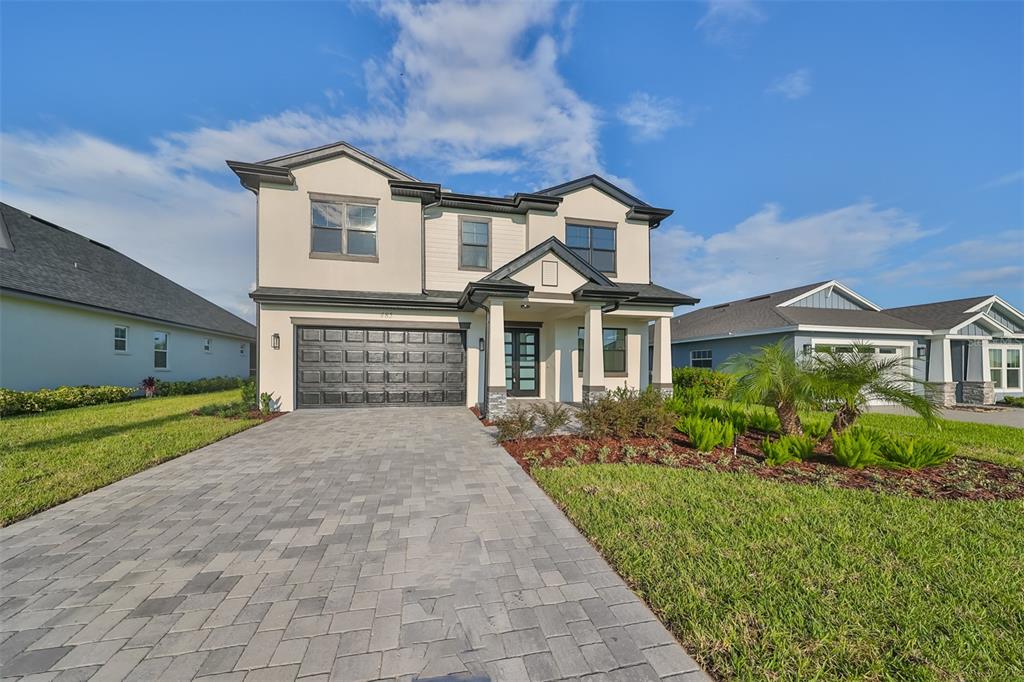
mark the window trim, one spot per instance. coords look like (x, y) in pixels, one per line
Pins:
(601, 225)
(580, 346)
(123, 351)
(344, 201)
(710, 358)
(1003, 369)
(490, 242)
(166, 351)
(207, 344)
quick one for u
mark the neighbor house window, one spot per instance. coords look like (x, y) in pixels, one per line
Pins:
(1012, 368)
(345, 228)
(595, 245)
(474, 244)
(700, 358)
(207, 344)
(614, 341)
(120, 339)
(241, 349)
(160, 350)
(1004, 367)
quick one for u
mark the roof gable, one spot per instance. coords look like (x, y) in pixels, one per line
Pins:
(638, 208)
(552, 245)
(831, 295)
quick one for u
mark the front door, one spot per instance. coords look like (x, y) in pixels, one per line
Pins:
(521, 353)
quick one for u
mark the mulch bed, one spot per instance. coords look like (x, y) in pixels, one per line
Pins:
(957, 479)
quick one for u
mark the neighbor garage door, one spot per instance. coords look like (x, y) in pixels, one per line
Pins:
(369, 367)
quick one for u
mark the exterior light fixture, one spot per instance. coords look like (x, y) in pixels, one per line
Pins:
(524, 306)
(275, 341)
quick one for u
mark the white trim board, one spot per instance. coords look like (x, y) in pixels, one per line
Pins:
(836, 285)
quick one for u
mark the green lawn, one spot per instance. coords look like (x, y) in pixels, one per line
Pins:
(50, 458)
(763, 580)
(987, 442)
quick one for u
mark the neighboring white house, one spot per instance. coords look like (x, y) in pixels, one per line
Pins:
(969, 349)
(374, 288)
(74, 311)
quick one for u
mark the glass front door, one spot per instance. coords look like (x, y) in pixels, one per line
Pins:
(521, 355)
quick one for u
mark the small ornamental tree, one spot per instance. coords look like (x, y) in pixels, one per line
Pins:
(774, 376)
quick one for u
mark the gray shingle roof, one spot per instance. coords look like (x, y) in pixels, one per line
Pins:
(51, 261)
(762, 313)
(940, 315)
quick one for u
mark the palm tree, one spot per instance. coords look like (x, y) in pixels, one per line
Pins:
(775, 377)
(849, 380)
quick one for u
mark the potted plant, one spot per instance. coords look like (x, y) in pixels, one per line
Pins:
(149, 386)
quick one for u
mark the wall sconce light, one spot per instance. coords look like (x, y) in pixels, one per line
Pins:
(524, 306)
(922, 352)
(480, 345)
(275, 341)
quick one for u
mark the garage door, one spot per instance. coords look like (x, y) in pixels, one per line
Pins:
(370, 367)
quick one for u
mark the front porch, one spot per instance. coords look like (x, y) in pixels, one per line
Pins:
(571, 351)
(959, 370)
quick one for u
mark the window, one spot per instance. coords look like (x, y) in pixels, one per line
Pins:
(241, 349)
(344, 228)
(1004, 367)
(995, 365)
(614, 341)
(700, 358)
(120, 339)
(207, 345)
(595, 245)
(1012, 368)
(474, 244)
(160, 350)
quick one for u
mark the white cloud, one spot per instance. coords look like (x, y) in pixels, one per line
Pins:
(767, 252)
(793, 85)
(1003, 180)
(650, 116)
(729, 22)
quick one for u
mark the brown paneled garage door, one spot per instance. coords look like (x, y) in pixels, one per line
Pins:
(369, 367)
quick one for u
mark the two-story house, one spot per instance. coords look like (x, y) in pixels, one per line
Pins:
(374, 288)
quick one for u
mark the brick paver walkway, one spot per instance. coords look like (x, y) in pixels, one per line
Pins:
(347, 545)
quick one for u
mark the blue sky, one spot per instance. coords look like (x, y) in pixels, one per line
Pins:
(878, 143)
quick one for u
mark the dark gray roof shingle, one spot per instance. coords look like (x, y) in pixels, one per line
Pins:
(51, 261)
(940, 315)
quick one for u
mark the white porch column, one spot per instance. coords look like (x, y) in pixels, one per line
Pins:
(497, 396)
(593, 353)
(662, 369)
(940, 371)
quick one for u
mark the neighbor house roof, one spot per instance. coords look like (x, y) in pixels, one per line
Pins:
(764, 313)
(940, 315)
(53, 262)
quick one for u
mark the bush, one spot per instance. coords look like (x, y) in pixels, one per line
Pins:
(1013, 401)
(915, 453)
(856, 448)
(249, 396)
(166, 388)
(787, 449)
(45, 399)
(553, 416)
(518, 423)
(230, 410)
(627, 413)
(816, 425)
(706, 434)
(707, 383)
(764, 421)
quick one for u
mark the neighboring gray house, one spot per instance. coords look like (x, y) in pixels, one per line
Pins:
(74, 311)
(970, 348)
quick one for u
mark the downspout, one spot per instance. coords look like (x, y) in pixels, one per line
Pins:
(423, 243)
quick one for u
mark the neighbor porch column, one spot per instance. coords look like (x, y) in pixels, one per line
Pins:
(940, 371)
(662, 370)
(593, 353)
(497, 396)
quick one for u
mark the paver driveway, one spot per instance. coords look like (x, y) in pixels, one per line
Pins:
(349, 545)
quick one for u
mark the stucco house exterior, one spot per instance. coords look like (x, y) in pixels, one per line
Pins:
(74, 312)
(375, 288)
(969, 349)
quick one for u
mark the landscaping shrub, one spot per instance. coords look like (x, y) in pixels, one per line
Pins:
(816, 425)
(249, 396)
(235, 409)
(706, 434)
(166, 388)
(787, 449)
(856, 449)
(706, 383)
(915, 453)
(627, 413)
(45, 399)
(1013, 401)
(517, 423)
(767, 422)
(552, 416)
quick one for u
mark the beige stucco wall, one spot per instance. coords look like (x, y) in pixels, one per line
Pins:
(277, 367)
(568, 279)
(285, 235)
(632, 238)
(508, 240)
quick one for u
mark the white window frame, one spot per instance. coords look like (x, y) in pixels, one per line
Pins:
(207, 344)
(121, 351)
(166, 351)
(710, 358)
(999, 374)
(344, 203)
(241, 348)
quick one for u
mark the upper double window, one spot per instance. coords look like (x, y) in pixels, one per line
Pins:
(344, 227)
(475, 244)
(595, 245)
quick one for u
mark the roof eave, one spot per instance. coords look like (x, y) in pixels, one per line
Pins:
(252, 174)
(653, 216)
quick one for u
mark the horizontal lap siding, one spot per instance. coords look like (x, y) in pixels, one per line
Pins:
(508, 241)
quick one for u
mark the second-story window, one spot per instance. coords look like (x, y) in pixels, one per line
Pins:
(345, 228)
(474, 244)
(596, 245)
